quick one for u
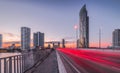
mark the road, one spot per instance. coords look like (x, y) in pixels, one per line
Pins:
(86, 61)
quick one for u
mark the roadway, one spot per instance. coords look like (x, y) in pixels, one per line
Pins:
(87, 61)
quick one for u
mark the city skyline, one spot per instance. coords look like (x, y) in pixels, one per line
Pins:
(53, 18)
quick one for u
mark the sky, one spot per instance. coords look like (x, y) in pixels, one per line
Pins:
(56, 18)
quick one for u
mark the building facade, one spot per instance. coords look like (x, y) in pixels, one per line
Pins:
(78, 41)
(0, 40)
(38, 39)
(84, 28)
(25, 38)
(63, 43)
(116, 38)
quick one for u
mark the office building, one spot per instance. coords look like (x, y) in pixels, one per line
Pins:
(84, 28)
(116, 38)
(25, 38)
(38, 39)
(78, 45)
(63, 43)
(0, 40)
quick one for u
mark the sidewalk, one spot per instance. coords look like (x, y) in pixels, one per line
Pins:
(49, 65)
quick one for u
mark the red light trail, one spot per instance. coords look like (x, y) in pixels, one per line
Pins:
(98, 58)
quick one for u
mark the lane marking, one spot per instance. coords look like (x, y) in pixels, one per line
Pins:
(61, 66)
(71, 65)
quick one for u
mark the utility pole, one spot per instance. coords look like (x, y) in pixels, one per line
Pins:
(99, 37)
(76, 29)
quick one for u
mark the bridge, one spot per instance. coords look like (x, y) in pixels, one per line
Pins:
(63, 60)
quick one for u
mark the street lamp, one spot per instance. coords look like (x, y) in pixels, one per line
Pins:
(76, 28)
(99, 37)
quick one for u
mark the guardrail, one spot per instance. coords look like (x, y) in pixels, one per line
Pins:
(22, 63)
(13, 64)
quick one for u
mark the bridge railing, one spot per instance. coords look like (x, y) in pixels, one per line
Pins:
(13, 64)
(21, 63)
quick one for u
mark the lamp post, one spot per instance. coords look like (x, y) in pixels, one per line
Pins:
(76, 29)
(99, 37)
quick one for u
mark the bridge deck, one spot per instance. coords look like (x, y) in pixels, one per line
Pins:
(49, 65)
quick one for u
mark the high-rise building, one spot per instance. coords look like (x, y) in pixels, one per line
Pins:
(0, 40)
(25, 38)
(78, 41)
(63, 43)
(38, 39)
(116, 38)
(84, 28)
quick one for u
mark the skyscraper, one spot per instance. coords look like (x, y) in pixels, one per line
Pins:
(0, 40)
(116, 38)
(63, 43)
(25, 38)
(38, 39)
(84, 28)
(78, 41)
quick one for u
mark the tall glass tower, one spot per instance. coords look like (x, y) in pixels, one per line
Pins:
(25, 38)
(84, 28)
(38, 39)
(116, 38)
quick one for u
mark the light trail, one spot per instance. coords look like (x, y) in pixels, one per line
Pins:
(108, 60)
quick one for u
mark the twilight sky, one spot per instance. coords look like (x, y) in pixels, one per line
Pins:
(56, 18)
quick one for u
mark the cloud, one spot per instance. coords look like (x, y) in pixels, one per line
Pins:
(8, 37)
(15, 42)
(103, 44)
(10, 34)
(69, 38)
